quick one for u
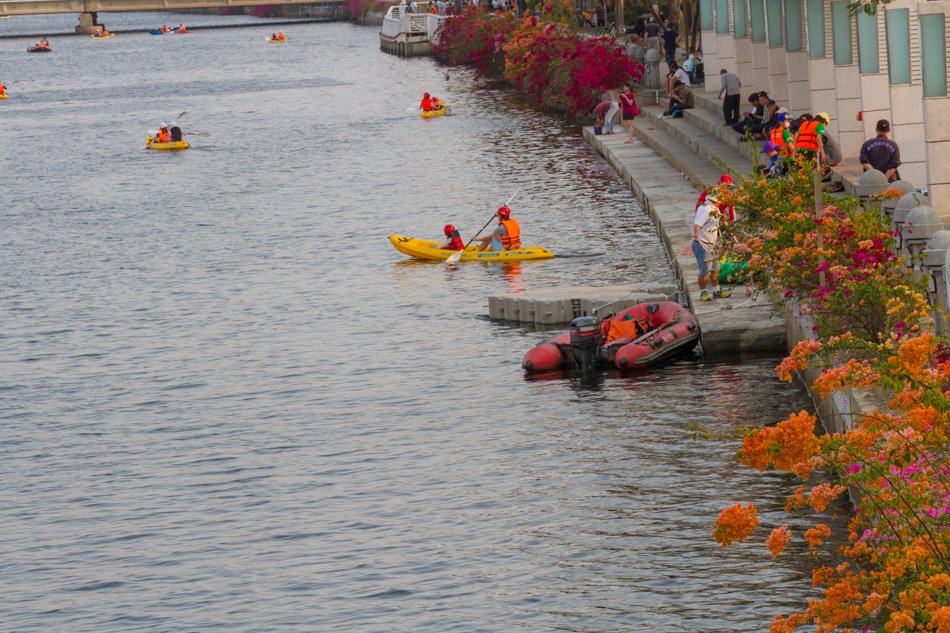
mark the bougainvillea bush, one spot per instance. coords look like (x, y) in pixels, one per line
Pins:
(544, 55)
(872, 332)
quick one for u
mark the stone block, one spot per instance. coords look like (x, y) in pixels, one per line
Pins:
(847, 82)
(939, 165)
(937, 119)
(913, 145)
(940, 200)
(875, 94)
(906, 104)
(822, 74)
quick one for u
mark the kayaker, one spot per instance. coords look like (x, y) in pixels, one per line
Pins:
(454, 240)
(163, 135)
(175, 133)
(165, 28)
(181, 28)
(507, 235)
(436, 103)
(3, 89)
(426, 104)
(280, 36)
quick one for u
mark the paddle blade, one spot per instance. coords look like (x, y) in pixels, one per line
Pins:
(180, 114)
(454, 257)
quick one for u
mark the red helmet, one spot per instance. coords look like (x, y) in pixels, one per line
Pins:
(503, 212)
(449, 229)
(425, 95)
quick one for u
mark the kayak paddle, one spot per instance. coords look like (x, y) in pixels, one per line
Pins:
(201, 134)
(457, 255)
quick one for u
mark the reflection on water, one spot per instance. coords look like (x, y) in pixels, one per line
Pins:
(228, 404)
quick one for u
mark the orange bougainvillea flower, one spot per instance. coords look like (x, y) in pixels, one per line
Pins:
(815, 535)
(735, 523)
(822, 494)
(777, 540)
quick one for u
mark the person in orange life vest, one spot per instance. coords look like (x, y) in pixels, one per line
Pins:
(426, 104)
(453, 240)
(280, 36)
(507, 235)
(3, 89)
(181, 27)
(728, 212)
(163, 135)
(165, 28)
(809, 142)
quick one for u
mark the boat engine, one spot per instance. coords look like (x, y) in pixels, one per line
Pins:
(586, 337)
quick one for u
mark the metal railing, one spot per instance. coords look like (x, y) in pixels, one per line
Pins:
(397, 22)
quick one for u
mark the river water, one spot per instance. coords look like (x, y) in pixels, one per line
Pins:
(228, 405)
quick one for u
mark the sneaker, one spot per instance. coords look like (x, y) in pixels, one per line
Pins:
(722, 294)
(664, 115)
(704, 296)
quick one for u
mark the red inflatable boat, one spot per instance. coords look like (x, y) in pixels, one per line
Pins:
(638, 337)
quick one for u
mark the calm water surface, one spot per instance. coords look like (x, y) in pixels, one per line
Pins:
(228, 405)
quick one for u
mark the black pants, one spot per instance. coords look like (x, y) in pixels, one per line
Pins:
(730, 108)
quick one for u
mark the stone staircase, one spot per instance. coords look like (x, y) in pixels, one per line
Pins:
(702, 148)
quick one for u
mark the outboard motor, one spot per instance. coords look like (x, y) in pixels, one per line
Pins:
(586, 337)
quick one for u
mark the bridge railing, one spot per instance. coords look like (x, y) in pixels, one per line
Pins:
(398, 21)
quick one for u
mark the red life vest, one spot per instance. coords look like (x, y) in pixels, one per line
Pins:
(426, 105)
(513, 239)
(808, 136)
(456, 244)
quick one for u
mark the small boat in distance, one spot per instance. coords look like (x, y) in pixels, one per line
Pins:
(40, 47)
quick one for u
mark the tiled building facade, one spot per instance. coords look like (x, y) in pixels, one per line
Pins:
(814, 56)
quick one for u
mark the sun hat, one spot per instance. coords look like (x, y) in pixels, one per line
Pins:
(725, 178)
(824, 115)
(769, 147)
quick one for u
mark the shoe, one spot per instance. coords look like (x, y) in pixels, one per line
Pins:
(704, 296)
(664, 115)
(722, 294)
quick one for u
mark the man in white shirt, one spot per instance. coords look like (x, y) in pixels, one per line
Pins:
(675, 73)
(705, 244)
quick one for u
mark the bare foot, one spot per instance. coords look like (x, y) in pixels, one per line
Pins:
(627, 142)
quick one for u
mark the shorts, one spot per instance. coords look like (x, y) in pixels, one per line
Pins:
(629, 117)
(496, 245)
(703, 258)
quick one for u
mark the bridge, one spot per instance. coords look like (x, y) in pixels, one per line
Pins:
(88, 9)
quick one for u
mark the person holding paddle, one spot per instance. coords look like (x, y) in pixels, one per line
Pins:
(506, 236)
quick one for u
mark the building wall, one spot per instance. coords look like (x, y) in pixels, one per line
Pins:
(813, 56)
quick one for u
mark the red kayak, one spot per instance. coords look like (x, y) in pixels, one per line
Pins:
(39, 49)
(637, 338)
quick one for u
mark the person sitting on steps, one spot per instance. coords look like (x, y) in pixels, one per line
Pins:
(682, 99)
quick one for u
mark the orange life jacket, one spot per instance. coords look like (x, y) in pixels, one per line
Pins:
(426, 105)
(3, 89)
(513, 239)
(808, 136)
(280, 36)
(163, 136)
(627, 328)
(777, 136)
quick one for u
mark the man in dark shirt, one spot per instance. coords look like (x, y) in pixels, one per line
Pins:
(750, 118)
(881, 153)
(669, 43)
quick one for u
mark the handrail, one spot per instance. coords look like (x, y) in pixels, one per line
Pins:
(397, 22)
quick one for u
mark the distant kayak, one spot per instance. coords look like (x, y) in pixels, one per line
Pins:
(273, 41)
(151, 143)
(102, 37)
(3, 96)
(39, 49)
(157, 32)
(182, 32)
(428, 249)
(434, 113)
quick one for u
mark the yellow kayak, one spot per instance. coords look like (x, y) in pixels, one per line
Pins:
(4, 96)
(102, 37)
(151, 143)
(273, 41)
(428, 249)
(434, 113)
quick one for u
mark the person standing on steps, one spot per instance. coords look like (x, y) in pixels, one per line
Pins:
(670, 35)
(705, 244)
(729, 85)
(881, 153)
(629, 110)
